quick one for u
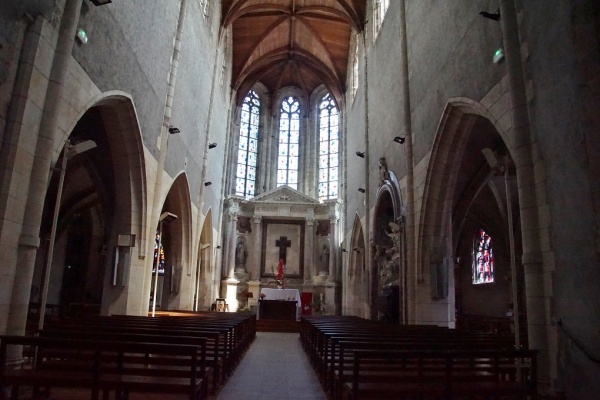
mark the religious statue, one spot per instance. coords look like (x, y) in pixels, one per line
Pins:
(388, 264)
(384, 174)
(324, 260)
(241, 254)
(394, 235)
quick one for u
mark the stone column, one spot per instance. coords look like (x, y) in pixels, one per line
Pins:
(256, 254)
(309, 251)
(333, 248)
(231, 238)
(17, 278)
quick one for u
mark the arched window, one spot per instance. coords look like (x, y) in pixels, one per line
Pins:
(245, 182)
(483, 258)
(328, 149)
(379, 9)
(289, 143)
(354, 76)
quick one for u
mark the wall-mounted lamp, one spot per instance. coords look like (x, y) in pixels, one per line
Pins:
(493, 16)
(344, 250)
(218, 247)
(173, 130)
(399, 139)
(212, 145)
(361, 154)
(100, 2)
(361, 190)
(356, 250)
(207, 183)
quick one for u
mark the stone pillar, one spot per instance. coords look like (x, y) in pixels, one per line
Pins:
(231, 238)
(309, 250)
(14, 301)
(333, 248)
(256, 254)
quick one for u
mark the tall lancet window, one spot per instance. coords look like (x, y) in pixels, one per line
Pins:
(245, 181)
(328, 149)
(289, 143)
(483, 258)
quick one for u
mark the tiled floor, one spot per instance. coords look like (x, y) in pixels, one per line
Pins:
(275, 367)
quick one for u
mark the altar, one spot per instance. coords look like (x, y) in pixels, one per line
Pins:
(282, 304)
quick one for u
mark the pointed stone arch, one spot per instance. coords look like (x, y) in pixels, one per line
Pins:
(465, 128)
(177, 241)
(108, 190)
(204, 274)
(357, 298)
(388, 250)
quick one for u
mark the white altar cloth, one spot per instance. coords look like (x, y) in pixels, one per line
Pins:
(284, 294)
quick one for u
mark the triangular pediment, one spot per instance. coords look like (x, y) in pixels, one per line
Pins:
(284, 195)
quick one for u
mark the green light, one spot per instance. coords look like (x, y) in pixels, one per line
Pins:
(498, 56)
(82, 36)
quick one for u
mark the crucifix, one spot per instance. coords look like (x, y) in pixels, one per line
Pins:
(283, 244)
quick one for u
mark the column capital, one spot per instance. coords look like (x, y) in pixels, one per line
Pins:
(257, 219)
(334, 219)
(233, 215)
(310, 221)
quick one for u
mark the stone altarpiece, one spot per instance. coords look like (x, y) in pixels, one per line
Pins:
(281, 223)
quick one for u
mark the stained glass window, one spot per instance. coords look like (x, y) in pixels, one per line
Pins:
(289, 143)
(159, 255)
(483, 258)
(328, 149)
(245, 177)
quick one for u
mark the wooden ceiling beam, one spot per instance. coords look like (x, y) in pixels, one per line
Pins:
(320, 40)
(261, 38)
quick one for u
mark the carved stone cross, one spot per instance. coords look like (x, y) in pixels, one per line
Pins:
(283, 244)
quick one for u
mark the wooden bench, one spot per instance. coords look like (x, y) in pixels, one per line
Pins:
(102, 366)
(447, 374)
(216, 353)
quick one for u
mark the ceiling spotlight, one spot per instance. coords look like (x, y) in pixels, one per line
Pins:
(101, 2)
(361, 154)
(493, 16)
(361, 190)
(212, 145)
(207, 183)
(173, 130)
(399, 139)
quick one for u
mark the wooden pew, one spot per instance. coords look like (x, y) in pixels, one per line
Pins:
(447, 374)
(102, 366)
(216, 357)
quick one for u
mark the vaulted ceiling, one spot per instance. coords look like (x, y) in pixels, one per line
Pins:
(301, 43)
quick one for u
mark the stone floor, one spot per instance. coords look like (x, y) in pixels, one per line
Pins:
(275, 367)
